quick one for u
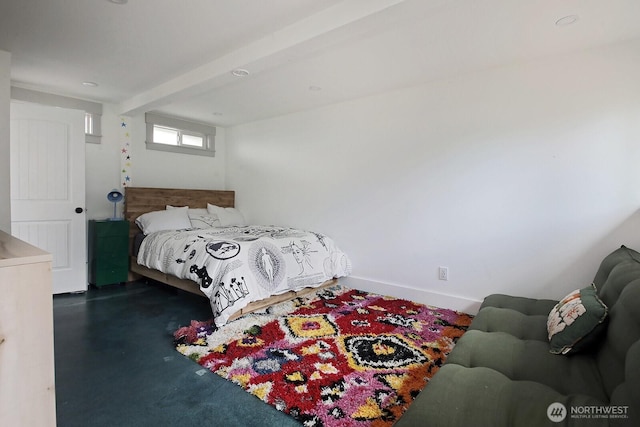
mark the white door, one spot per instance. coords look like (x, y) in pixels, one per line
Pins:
(47, 188)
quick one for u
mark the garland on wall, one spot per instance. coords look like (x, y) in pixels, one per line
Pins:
(125, 153)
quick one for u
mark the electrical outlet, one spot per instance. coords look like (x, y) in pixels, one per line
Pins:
(443, 273)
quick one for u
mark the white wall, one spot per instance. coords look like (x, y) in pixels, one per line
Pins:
(102, 163)
(518, 179)
(5, 101)
(149, 168)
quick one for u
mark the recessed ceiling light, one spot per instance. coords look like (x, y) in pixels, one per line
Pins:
(90, 84)
(240, 72)
(567, 20)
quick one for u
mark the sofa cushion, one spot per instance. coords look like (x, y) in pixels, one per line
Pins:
(521, 304)
(529, 360)
(620, 255)
(628, 392)
(618, 276)
(512, 322)
(576, 321)
(618, 283)
(462, 396)
(622, 333)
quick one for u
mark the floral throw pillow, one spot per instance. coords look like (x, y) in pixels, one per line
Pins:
(577, 321)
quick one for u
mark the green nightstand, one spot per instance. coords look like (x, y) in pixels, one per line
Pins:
(108, 252)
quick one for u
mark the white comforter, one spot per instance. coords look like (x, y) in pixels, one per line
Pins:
(238, 265)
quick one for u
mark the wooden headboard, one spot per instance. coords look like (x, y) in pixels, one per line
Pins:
(139, 200)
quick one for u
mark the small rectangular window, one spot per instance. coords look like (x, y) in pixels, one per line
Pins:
(162, 135)
(88, 123)
(92, 127)
(193, 140)
(179, 136)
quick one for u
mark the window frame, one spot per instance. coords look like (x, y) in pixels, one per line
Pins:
(207, 132)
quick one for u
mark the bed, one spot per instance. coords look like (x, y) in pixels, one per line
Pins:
(240, 268)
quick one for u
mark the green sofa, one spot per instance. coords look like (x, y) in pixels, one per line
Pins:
(502, 373)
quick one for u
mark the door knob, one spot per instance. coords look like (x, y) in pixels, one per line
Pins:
(79, 210)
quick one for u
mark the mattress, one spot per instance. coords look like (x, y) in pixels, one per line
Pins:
(237, 265)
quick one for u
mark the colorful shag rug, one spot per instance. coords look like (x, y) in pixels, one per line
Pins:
(337, 357)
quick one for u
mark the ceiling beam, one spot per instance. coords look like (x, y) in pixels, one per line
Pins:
(256, 56)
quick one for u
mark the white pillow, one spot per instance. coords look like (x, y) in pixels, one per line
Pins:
(199, 217)
(195, 211)
(200, 211)
(204, 221)
(171, 219)
(227, 216)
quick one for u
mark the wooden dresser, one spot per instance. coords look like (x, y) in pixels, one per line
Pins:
(27, 376)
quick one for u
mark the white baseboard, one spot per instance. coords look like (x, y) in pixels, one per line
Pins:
(422, 296)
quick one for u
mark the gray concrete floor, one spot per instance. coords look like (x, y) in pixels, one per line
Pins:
(116, 364)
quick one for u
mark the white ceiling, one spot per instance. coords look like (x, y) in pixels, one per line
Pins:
(177, 56)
